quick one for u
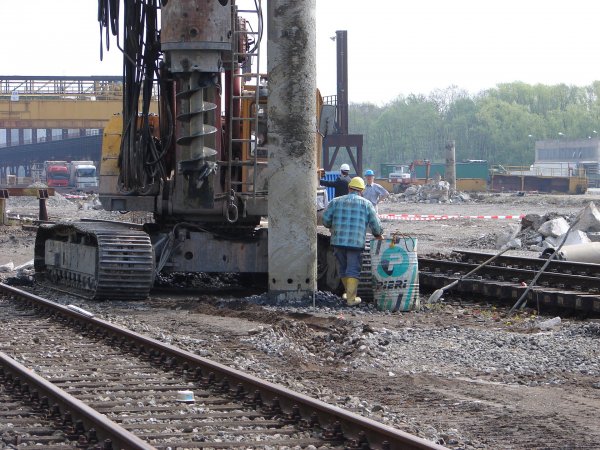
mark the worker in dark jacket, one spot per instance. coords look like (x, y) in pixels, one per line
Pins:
(340, 184)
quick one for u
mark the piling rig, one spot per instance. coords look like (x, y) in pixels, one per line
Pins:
(199, 165)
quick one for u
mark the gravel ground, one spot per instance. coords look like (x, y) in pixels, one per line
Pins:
(459, 373)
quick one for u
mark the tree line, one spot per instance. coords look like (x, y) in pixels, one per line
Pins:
(500, 125)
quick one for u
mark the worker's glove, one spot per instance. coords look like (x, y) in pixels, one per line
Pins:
(379, 237)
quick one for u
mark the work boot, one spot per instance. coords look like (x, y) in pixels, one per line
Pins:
(345, 283)
(351, 289)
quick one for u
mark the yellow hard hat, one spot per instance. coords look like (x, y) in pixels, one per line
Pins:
(357, 183)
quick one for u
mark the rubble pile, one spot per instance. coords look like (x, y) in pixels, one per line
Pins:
(547, 232)
(432, 192)
(55, 201)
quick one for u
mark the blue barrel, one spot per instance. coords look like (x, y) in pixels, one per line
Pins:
(330, 176)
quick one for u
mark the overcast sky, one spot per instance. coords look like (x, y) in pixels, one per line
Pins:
(395, 47)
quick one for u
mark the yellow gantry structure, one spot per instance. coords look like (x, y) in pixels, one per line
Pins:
(58, 102)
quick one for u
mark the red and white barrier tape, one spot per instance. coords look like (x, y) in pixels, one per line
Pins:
(411, 217)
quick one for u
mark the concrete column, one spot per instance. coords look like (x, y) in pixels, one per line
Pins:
(291, 145)
(451, 164)
(3, 200)
(48, 134)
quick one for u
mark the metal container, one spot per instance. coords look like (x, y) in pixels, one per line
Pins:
(395, 273)
(331, 176)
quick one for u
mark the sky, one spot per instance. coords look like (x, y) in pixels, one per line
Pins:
(395, 47)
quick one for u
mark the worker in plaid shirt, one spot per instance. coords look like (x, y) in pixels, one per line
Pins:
(348, 217)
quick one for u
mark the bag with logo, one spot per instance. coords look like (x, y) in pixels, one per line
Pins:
(395, 273)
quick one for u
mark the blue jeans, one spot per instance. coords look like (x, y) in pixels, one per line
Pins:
(349, 261)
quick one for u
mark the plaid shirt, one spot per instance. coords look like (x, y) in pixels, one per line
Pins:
(348, 217)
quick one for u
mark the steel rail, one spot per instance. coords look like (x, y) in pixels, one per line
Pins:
(567, 267)
(504, 283)
(563, 280)
(344, 425)
(106, 429)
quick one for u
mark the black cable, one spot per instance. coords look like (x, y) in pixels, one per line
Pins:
(141, 159)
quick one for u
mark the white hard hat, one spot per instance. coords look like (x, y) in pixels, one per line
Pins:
(344, 168)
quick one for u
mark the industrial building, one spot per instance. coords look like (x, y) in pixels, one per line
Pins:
(559, 157)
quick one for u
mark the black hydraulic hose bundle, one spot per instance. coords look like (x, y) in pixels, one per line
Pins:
(141, 158)
(108, 18)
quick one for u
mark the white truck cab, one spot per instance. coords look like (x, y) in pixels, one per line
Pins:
(83, 175)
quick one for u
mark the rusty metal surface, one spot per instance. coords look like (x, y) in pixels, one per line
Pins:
(331, 147)
(192, 25)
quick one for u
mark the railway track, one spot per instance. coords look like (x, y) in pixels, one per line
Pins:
(563, 285)
(108, 387)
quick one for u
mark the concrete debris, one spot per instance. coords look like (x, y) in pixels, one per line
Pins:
(56, 201)
(28, 265)
(556, 227)
(549, 324)
(594, 236)
(544, 233)
(589, 219)
(577, 237)
(573, 238)
(508, 236)
(8, 267)
(38, 185)
(533, 221)
(432, 192)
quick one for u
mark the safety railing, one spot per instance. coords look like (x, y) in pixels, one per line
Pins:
(61, 88)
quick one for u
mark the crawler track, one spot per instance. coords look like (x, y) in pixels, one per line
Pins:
(134, 381)
(563, 285)
(103, 259)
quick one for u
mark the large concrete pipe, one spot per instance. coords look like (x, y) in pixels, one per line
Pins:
(291, 50)
(585, 253)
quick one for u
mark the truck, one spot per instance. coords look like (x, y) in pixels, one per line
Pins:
(56, 173)
(400, 178)
(82, 175)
